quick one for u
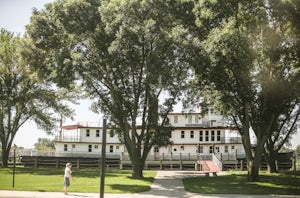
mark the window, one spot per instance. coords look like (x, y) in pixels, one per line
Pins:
(87, 134)
(201, 149)
(217, 149)
(97, 133)
(175, 149)
(192, 134)
(211, 149)
(176, 119)
(90, 148)
(111, 133)
(96, 146)
(226, 149)
(190, 119)
(218, 136)
(206, 136)
(111, 148)
(156, 150)
(196, 119)
(212, 136)
(182, 148)
(182, 134)
(232, 147)
(201, 136)
(212, 111)
(117, 147)
(65, 147)
(73, 145)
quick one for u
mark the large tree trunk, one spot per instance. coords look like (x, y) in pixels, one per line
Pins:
(137, 167)
(253, 169)
(255, 162)
(272, 168)
(271, 161)
(5, 154)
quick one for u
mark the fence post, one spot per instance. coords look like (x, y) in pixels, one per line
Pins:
(121, 160)
(160, 166)
(171, 162)
(78, 163)
(242, 165)
(36, 162)
(181, 166)
(57, 163)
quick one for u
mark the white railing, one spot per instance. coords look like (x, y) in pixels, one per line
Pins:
(67, 139)
(90, 124)
(172, 157)
(230, 156)
(217, 161)
(86, 154)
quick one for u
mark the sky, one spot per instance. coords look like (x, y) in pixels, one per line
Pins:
(14, 16)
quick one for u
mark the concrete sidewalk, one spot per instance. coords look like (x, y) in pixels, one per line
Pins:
(167, 184)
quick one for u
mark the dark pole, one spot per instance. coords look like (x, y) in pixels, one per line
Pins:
(103, 159)
(14, 167)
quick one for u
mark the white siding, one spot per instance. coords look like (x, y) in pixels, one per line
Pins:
(185, 137)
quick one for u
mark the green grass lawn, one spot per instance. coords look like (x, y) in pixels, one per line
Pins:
(86, 180)
(235, 183)
(120, 181)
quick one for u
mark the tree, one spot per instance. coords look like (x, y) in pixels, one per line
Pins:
(253, 49)
(284, 128)
(44, 144)
(298, 151)
(126, 55)
(23, 96)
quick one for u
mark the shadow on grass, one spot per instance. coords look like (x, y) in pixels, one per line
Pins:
(85, 173)
(129, 188)
(278, 184)
(88, 173)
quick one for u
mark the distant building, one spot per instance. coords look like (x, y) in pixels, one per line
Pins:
(194, 134)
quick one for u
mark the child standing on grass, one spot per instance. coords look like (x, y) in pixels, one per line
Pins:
(67, 176)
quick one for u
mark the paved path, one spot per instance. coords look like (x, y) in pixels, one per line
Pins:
(167, 184)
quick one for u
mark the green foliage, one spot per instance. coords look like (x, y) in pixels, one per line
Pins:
(126, 55)
(23, 95)
(86, 180)
(44, 144)
(253, 68)
(298, 151)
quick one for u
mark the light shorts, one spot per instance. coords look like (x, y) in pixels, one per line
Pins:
(66, 181)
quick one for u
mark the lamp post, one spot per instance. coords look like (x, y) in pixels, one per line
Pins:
(103, 152)
(14, 166)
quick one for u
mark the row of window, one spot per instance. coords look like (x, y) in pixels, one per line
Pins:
(90, 147)
(205, 135)
(196, 117)
(212, 149)
(88, 133)
(190, 119)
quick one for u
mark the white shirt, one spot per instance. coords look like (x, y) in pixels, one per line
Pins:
(68, 172)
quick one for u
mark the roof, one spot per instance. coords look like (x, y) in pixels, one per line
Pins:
(72, 127)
